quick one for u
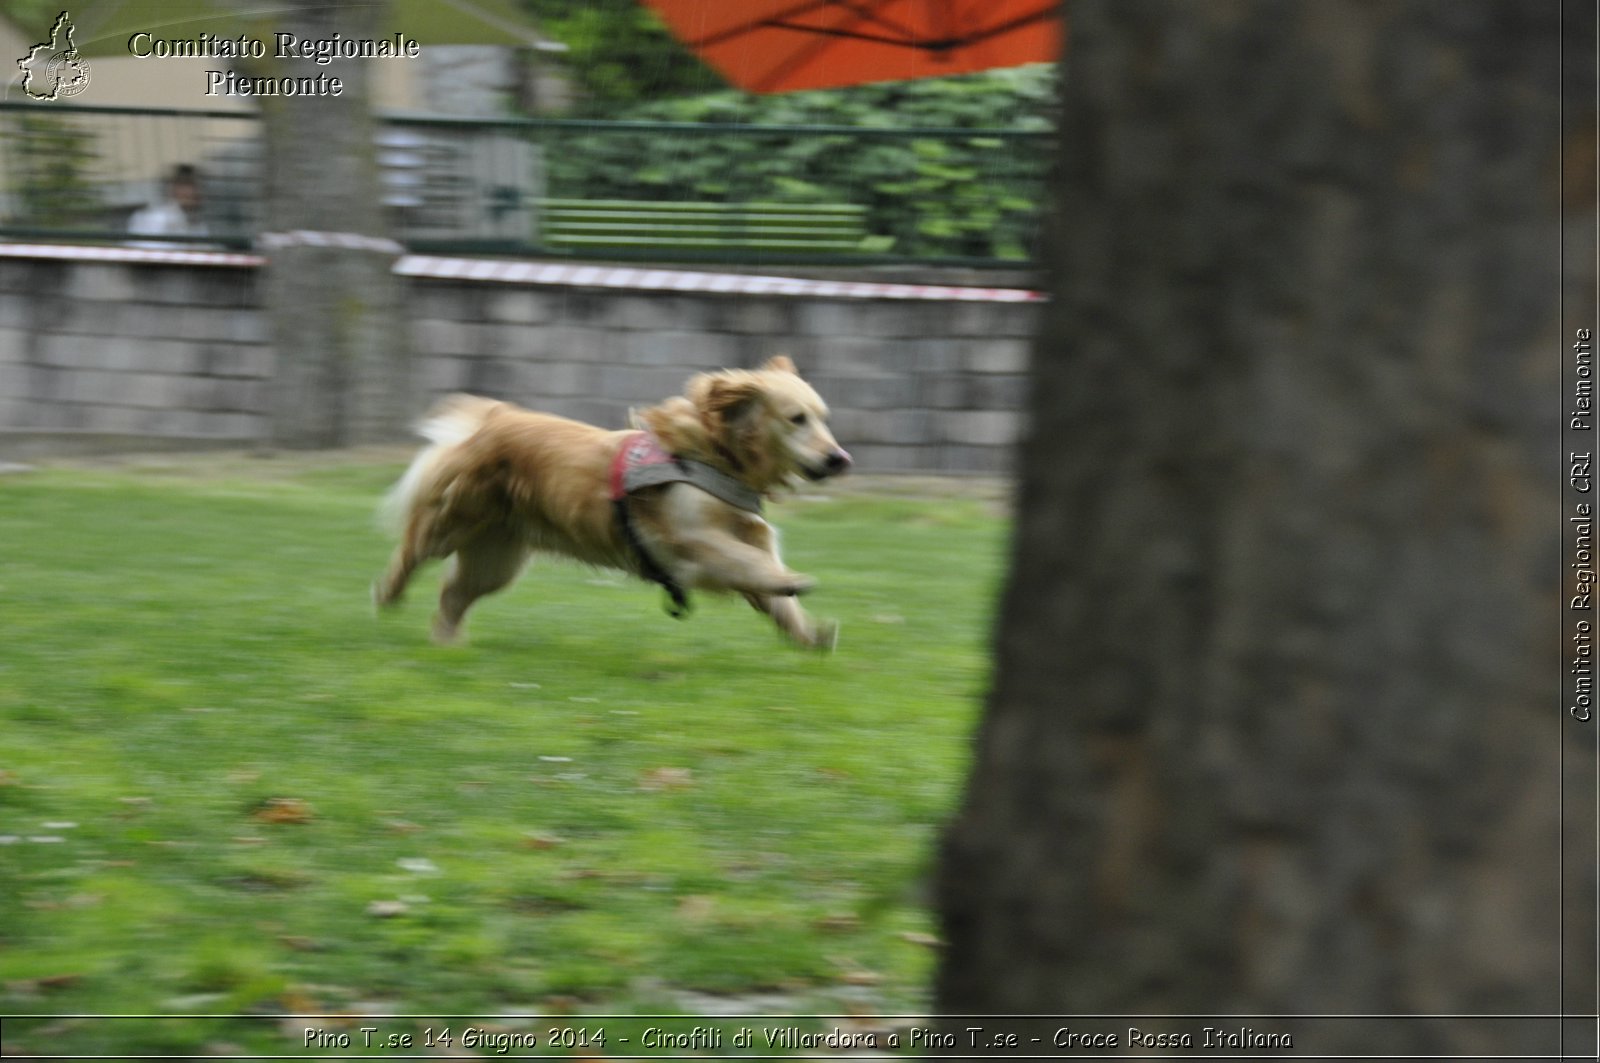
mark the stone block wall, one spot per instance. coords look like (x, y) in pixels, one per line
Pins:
(121, 353)
(124, 354)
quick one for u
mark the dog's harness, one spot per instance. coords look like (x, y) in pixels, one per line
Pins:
(641, 462)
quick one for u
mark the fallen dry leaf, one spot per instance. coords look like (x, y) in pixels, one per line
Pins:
(860, 976)
(925, 940)
(284, 810)
(537, 840)
(51, 983)
(696, 908)
(298, 1002)
(666, 779)
(76, 900)
(388, 909)
(838, 922)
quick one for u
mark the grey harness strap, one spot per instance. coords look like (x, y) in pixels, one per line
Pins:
(641, 463)
(713, 481)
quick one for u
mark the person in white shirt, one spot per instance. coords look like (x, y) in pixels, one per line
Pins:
(176, 215)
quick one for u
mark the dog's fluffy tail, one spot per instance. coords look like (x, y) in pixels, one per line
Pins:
(452, 421)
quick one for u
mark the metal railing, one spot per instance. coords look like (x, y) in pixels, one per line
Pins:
(925, 196)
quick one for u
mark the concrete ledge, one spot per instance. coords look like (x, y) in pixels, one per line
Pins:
(25, 444)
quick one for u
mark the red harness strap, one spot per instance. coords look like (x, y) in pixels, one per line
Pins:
(638, 450)
(641, 450)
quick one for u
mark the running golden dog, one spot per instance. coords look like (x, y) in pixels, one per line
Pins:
(677, 499)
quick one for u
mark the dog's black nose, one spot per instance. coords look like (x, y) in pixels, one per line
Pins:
(838, 462)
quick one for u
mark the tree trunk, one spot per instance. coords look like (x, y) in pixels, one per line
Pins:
(1275, 725)
(338, 312)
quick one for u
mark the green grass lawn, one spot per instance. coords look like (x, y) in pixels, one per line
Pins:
(226, 787)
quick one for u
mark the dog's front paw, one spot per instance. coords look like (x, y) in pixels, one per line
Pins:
(825, 636)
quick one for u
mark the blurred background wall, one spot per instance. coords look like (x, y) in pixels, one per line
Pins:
(97, 356)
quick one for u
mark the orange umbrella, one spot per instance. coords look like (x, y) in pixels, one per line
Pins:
(784, 45)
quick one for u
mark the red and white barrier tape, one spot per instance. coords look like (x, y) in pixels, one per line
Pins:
(85, 253)
(553, 274)
(315, 238)
(570, 275)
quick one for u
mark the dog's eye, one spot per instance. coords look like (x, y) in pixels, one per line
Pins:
(798, 418)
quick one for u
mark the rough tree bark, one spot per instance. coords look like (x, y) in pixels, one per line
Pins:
(1274, 726)
(337, 313)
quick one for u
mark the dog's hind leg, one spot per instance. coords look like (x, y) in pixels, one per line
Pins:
(484, 564)
(418, 543)
(388, 588)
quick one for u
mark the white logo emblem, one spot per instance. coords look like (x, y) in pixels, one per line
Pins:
(54, 70)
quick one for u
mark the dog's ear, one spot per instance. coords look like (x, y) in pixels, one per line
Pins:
(781, 363)
(727, 399)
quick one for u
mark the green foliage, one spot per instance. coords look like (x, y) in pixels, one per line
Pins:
(619, 53)
(48, 167)
(588, 807)
(935, 196)
(31, 16)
